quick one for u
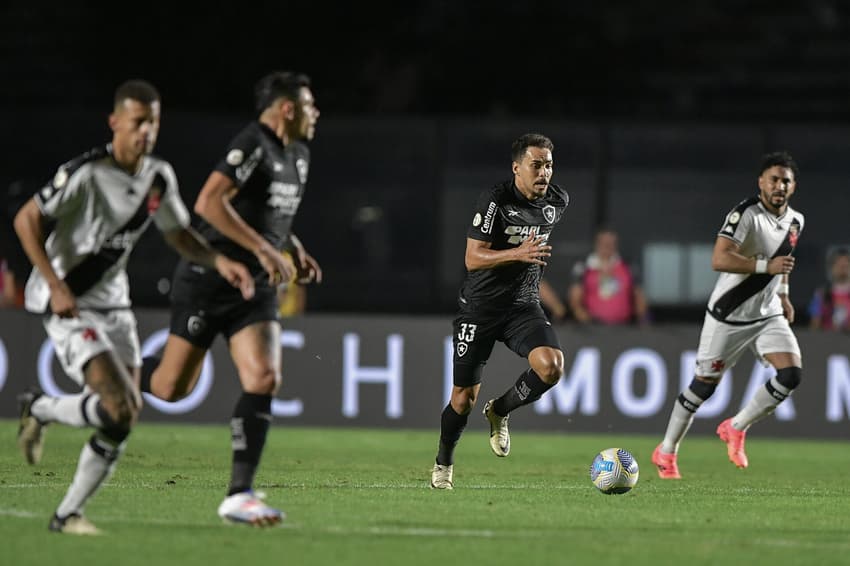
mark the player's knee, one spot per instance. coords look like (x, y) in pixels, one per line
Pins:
(703, 388)
(789, 377)
(116, 423)
(262, 382)
(550, 368)
(464, 399)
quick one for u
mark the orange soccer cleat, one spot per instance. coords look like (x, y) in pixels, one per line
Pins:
(668, 468)
(734, 440)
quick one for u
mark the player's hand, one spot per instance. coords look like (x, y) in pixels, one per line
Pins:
(62, 301)
(307, 269)
(236, 274)
(533, 249)
(781, 264)
(279, 266)
(787, 309)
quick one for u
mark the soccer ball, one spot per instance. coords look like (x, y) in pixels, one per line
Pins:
(614, 470)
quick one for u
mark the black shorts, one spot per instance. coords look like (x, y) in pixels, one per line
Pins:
(205, 305)
(522, 329)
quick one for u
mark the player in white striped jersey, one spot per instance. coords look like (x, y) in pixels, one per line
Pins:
(100, 204)
(748, 309)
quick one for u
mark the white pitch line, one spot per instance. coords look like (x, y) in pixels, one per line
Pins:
(403, 531)
(420, 485)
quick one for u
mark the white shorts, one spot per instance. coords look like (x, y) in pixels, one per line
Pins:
(721, 344)
(77, 340)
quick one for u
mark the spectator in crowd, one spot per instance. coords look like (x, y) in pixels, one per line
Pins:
(829, 308)
(605, 289)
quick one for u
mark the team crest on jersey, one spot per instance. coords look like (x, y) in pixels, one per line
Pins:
(476, 220)
(549, 213)
(154, 200)
(235, 157)
(302, 167)
(793, 234)
(60, 178)
(462, 348)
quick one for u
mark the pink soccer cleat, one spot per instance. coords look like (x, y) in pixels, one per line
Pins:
(734, 440)
(668, 468)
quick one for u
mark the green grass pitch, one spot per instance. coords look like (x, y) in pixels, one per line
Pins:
(356, 496)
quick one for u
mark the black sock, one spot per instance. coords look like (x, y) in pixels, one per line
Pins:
(248, 427)
(451, 427)
(149, 365)
(527, 389)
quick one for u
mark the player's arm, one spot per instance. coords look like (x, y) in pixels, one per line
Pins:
(29, 226)
(213, 205)
(784, 296)
(479, 254)
(195, 248)
(308, 269)
(575, 296)
(549, 297)
(727, 257)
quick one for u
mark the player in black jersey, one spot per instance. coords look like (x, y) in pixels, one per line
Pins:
(506, 252)
(247, 206)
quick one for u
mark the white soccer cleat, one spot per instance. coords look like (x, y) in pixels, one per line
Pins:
(441, 477)
(248, 507)
(73, 524)
(30, 429)
(500, 438)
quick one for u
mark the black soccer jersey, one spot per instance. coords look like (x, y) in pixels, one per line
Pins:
(271, 179)
(504, 217)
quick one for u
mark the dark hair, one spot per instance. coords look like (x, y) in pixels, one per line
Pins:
(276, 85)
(780, 158)
(136, 89)
(529, 140)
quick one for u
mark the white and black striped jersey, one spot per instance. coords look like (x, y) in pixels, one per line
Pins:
(504, 217)
(100, 212)
(271, 179)
(749, 297)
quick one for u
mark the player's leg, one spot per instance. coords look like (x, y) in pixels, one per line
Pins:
(112, 407)
(173, 374)
(453, 421)
(115, 413)
(529, 334)
(75, 341)
(777, 345)
(472, 341)
(720, 346)
(255, 350)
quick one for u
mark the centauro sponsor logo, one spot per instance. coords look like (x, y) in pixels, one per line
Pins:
(488, 218)
(519, 233)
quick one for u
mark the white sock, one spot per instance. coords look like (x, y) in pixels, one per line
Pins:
(761, 405)
(94, 467)
(73, 410)
(680, 421)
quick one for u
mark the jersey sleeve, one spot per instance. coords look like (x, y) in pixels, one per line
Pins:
(737, 224)
(171, 212)
(241, 157)
(62, 193)
(483, 218)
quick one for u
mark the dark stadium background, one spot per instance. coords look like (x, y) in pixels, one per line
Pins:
(659, 112)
